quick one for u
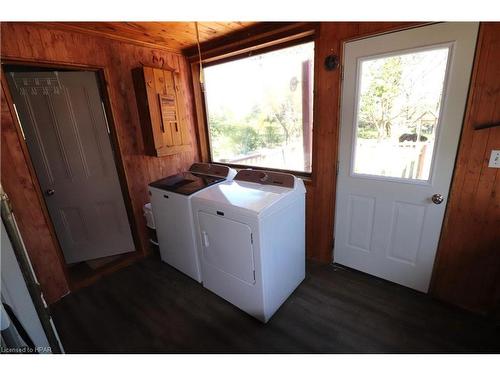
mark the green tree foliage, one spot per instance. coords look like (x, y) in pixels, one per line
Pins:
(273, 136)
(285, 113)
(396, 99)
(377, 102)
(269, 127)
(275, 121)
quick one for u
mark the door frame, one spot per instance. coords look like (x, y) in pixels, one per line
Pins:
(343, 43)
(102, 81)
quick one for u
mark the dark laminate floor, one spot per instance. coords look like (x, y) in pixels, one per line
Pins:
(150, 307)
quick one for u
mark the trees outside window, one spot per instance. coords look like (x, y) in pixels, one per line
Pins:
(256, 109)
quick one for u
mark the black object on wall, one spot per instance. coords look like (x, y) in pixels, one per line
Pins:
(332, 62)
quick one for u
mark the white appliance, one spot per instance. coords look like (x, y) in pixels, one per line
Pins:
(251, 239)
(20, 324)
(171, 204)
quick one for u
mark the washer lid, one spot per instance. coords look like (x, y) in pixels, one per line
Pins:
(185, 183)
(246, 195)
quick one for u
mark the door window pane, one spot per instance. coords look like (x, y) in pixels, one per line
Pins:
(398, 111)
(260, 109)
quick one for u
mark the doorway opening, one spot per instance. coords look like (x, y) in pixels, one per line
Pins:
(64, 118)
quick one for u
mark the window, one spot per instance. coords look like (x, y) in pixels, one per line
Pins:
(260, 109)
(399, 104)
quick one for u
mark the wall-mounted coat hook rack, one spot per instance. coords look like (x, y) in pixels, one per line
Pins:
(486, 126)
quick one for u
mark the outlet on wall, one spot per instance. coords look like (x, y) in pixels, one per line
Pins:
(494, 159)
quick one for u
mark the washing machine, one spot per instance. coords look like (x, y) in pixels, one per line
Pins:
(251, 239)
(171, 204)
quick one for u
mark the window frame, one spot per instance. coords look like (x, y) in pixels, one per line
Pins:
(294, 40)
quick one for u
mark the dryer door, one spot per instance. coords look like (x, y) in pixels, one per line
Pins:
(227, 246)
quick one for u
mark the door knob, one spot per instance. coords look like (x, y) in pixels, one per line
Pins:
(50, 192)
(437, 199)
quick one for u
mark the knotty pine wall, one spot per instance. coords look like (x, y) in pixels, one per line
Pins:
(38, 43)
(467, 268)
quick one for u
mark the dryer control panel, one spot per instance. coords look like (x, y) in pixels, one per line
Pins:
(266, 178)
(210, 169)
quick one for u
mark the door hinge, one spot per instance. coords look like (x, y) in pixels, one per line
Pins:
(337, 168)
(19, 121)
(105, 117)
(333, 250)
(254, 274)
(5, 198)
(251, 238)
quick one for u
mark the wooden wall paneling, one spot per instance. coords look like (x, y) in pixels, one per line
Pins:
(21, 42)
(200, 113)
(310, 232)
(484, 277)
(320, 217)
(263, 35)
(467, 268)
(170, 36)
(189, 110)
(185, 100)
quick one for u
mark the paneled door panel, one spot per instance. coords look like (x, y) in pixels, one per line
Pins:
(64, 123)
(403, 100)
(361, 211)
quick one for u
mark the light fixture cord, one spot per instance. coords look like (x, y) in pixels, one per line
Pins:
(202, 80)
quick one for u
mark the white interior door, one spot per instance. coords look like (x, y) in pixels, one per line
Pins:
(63, 119)
(403, 101)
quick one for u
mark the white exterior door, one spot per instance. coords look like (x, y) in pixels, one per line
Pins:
(403, 101)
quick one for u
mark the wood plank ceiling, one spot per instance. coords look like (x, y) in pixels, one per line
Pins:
(175, 36)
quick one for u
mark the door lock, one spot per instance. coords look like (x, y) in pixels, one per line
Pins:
(437, 199)
(50, 192)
